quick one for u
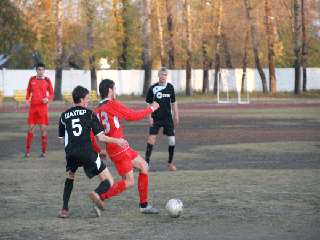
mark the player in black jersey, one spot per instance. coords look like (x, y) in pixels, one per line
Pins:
(163, 93)
(75, 127)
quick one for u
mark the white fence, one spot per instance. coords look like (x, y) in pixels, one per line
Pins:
(131, 81)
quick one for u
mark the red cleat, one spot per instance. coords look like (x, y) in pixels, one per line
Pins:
(173, 167)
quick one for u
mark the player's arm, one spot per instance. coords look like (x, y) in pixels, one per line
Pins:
(175, 112)
(51, 92)
(130, 115)
(62, 132)
(28, 93)
(120, 142)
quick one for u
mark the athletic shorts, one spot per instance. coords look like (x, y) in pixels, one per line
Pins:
(91, 167)
(168, 127)
(122, 161)
(38, 114)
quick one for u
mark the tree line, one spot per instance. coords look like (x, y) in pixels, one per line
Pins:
(145, 34)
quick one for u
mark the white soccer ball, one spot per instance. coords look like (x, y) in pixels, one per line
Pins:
(174, 208)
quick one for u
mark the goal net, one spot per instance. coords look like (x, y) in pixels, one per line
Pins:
(229, 87)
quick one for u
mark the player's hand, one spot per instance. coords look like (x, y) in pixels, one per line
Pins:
(176, 120)
(151, 122)
(121, 142)
(155, 105)
(27, 104)
(103, 156)
(45, 100)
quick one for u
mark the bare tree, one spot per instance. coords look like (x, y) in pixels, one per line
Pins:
(226, 49)
(255, 46)
(205, 82)
(217, 53)
(304, 47)
(169, 8)
(58, 60)
(271, 55)
(160, 35)
(297, 62)
(146, 55)
(244, 65)
(124, 58)
(90, 13)
(189, 90)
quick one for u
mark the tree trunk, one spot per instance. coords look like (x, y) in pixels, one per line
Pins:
(297, 63)
(206, 60)
(189, 90)
(147, 61)
(170, 29)
(255, 46)
(90, 43)
(270, 34)
(226, 49)
(304, 47)
(217, 55)
(123, 59)
(244, 66)
(160, 34)
(58, 61)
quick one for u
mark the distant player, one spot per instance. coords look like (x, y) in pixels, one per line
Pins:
(75, 127)
(38, 87)
(163, 93)
(110, 113)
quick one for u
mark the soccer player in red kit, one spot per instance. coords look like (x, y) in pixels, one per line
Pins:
(110, 113)
(38, 113)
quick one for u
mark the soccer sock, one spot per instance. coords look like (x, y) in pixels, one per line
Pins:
(29, 140)
(44, 144)
(68, 186)
(148, 152)
(118, 187)
(143, 182)
(171, 152)
(103, 187)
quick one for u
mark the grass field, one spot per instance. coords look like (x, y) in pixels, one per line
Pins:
(243, 173)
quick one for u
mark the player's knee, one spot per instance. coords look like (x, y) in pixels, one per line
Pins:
(71, 175)
(171, 140)
(152, 140)
(144, 167)
(129, 183)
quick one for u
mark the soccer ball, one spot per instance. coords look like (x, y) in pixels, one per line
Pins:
(174, 208)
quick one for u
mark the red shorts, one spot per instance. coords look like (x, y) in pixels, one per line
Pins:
(122, 161)
(38, 114)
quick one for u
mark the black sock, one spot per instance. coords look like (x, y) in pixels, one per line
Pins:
(103, 187)
(143, 205)
(148, 152)
(68, 186)
(171, 152)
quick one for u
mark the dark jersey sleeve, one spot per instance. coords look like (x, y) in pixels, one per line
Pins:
(96, 125)
(173, 96)
(149, 98)
(61, 129)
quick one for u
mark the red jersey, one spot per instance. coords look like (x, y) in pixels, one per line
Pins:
(110, 113)
(39, 88)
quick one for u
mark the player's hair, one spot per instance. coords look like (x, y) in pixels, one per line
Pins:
(162, 69)
(104, 87)
(40, 64)
(78, 93)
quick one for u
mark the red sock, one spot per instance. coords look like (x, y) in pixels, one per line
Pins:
(143, 182)
(44, 144)
(29, 140)
(118, 187)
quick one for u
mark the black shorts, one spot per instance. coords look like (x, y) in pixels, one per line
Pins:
(168, 127)
(92, 166)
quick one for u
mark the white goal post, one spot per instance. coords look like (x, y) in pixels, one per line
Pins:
(231, 81)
